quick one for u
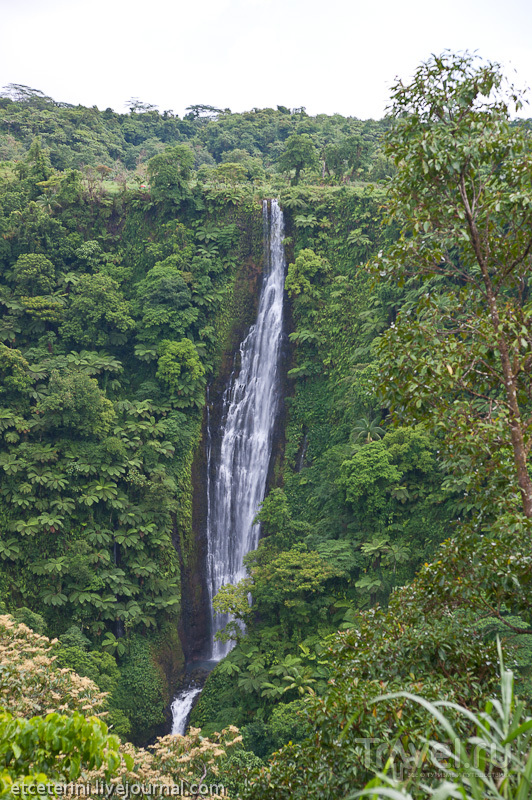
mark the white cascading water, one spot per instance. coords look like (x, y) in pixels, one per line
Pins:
(237, 478)
(181, 708)
(237, 472)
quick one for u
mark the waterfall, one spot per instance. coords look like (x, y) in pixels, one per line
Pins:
(237, 467)
(238, 456)
(181, 708)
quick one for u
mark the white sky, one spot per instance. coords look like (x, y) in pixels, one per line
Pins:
(330, 56)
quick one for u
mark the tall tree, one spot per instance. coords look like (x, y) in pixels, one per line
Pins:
(460, 354)
(169, 173)
(298, 154)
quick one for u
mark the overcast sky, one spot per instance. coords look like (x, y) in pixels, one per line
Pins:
(329, 56)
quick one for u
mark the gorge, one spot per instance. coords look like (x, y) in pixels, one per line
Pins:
(239, 453)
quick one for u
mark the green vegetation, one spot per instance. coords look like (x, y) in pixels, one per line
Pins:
(493, 764)
(39, 752)
(52, 749)
(112, 150)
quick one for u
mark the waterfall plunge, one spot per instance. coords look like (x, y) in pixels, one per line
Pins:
(237, 474)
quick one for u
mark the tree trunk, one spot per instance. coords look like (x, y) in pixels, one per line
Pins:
(516, 427)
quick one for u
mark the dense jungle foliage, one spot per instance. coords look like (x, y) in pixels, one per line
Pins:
(119, 300)
(396, 533)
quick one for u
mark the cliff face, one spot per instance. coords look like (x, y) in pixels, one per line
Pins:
(190, 540)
